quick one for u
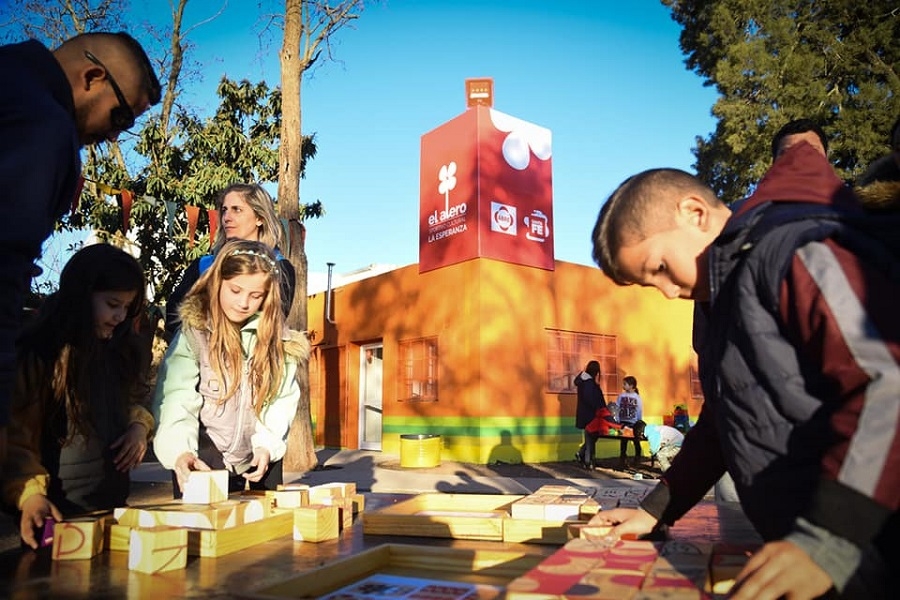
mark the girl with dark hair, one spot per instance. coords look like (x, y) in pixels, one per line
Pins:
(78, 426)
(226, 391)
(631, 410)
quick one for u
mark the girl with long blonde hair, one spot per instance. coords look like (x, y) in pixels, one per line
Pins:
(226, 391)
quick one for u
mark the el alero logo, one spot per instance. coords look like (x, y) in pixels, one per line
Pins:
(452, 219)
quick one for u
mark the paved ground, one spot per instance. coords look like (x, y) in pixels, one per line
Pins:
(378, 472)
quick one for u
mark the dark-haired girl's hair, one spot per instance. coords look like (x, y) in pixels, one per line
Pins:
(63, 335)
(632, 382)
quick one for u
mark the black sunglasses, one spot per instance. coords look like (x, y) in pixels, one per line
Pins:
(121, 116)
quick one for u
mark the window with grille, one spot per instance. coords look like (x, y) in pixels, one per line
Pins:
(569, 351)
(419, 370)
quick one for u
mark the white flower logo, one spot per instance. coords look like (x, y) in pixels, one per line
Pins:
(447, 175)
(524, 139)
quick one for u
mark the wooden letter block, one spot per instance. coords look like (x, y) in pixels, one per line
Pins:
(157, 549)
(206, 487)
(316, 523)
(78, 539)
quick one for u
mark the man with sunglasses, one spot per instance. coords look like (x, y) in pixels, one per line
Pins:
(88, 90)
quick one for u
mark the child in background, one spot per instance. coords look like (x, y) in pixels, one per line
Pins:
(226, 392)
(78, 425)
(631, 410)
(664, 442)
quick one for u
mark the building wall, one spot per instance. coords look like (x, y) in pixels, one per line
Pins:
(491, 320)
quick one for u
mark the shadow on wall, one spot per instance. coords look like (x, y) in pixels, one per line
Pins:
(505, 451)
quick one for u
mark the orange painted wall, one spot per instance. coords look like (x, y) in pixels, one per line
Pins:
(491, 319)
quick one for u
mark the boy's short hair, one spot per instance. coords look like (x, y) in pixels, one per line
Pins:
(798, 126)
(642, 205)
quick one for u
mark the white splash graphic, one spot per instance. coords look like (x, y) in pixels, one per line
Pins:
(524, 139)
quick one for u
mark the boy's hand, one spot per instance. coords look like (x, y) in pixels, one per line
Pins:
(186, 463)
(132, 446)
(625, 522)
(34, 510)
(261, 462)
(780, 570)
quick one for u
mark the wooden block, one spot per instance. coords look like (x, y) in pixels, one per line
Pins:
(290, 499)
(157, 549)
(359, 503)
(345, 510)
(660, 579)
(493, 567)
(723, 570)
(534, 531)
(584, 569)
(119, 538)
(589, 508)
(219, 542)
(458, 516)
(565, 508)
(206, 487)
(333, 490)
(291, 486)
(78, 539)
(532, 506)
(221, 515)
(316, 523)
(588, 531)
(689, 556)
(684, 593)
(558, 490)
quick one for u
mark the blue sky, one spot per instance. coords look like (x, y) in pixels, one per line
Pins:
(607, 78)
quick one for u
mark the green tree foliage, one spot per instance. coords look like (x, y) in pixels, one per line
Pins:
(772, 61)
(188, 163)
(177, 157)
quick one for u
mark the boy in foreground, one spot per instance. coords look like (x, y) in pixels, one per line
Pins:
(800, 366)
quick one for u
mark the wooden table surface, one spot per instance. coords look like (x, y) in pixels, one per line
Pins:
(31, 575)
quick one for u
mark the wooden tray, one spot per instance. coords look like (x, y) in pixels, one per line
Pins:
(457, 516)
(489, 567)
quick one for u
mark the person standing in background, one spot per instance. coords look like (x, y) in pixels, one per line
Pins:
(590, 400)
(246, 212)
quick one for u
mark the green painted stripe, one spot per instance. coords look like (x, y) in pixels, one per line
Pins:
(483, 427)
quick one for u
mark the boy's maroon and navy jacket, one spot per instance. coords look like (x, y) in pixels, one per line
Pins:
(800, 364)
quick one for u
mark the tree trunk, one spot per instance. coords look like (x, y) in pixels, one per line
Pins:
(301, 455)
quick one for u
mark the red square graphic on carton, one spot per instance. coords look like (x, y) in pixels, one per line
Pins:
(486, 191)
